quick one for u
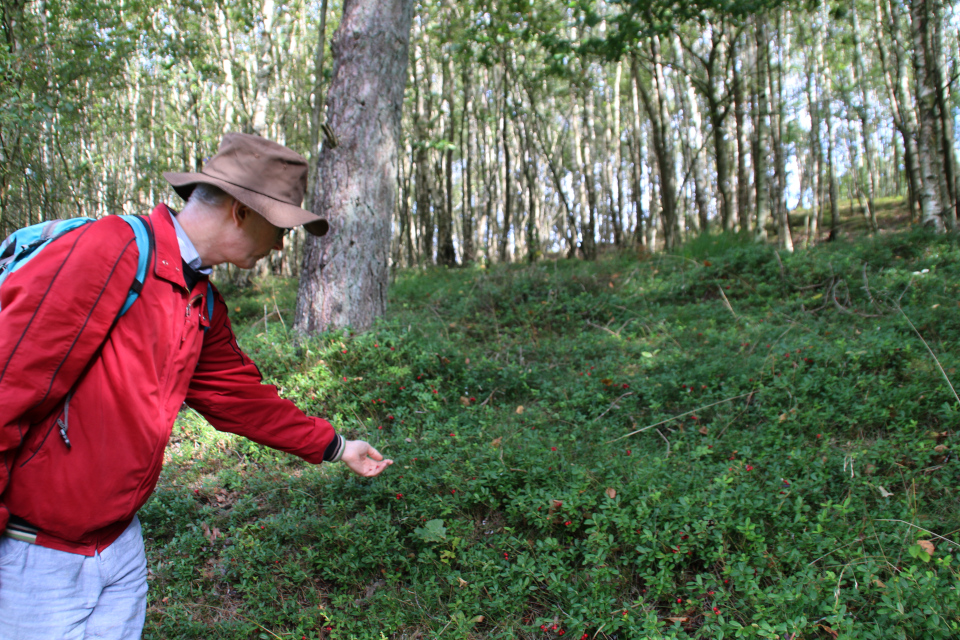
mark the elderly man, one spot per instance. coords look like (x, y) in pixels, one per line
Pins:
(88, 396)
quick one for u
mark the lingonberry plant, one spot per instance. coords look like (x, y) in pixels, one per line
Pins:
(792, 470)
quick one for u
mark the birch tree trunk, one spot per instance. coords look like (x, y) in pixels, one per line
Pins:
(864, 111)
(931, 172)
(344, 277)
(693, 131)
(656, 107)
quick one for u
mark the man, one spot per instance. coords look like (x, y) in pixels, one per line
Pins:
(88, 400)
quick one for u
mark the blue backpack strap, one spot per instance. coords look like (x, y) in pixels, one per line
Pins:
(209, 304)
(142, 233)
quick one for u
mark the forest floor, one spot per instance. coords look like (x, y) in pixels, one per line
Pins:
(725, 442)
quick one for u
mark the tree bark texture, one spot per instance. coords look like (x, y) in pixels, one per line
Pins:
(345, 273)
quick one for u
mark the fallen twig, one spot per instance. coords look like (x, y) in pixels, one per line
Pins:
(947, 540)
(665, 440)
(706, 406)
(488, 397)
(727, 303)
(932, 354)
(613, 404)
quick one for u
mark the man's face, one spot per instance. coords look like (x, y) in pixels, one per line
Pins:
(257, 239)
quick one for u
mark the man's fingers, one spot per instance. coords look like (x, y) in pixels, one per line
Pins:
(373, 453)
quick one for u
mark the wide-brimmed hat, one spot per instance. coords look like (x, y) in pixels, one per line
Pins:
(265, 176)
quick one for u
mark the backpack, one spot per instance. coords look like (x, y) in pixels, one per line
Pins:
(22, 245)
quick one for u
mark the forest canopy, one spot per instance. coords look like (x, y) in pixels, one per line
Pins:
(529, 128)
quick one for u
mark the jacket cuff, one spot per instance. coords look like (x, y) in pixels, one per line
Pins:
(335, 449)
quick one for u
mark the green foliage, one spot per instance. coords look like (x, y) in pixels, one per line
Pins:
(796, 465)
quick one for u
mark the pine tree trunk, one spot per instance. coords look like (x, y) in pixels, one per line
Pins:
(344, 277)
(446, 255)
(467, 253)
(639, 237)
(587, 144)
(656, 107)
(760, 136)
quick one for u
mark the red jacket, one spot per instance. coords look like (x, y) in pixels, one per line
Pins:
(55, 313)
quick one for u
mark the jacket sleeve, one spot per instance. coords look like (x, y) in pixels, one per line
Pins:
(228, 390)
(55, 313)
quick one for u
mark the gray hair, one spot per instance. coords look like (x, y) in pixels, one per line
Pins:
(209, 195)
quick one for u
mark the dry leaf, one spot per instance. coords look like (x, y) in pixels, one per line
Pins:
(606, 381)
(519, 409)
(879, 583)
(940, 448)
(927, 546)
(783, 417)
(465, 401)
(463, 582)
(682, 620)
(833, 634)
(702, 431)
(467, 361)
(496, 442)
(210, 534)
(478, 619)
(871, 469)
(707, 263)
(884, 492)
(611, 285)
(555, 504)
(611, 493)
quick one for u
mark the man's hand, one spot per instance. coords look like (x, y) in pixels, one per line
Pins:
(363, 459)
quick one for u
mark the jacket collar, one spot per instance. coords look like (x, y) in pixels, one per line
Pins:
(167, 261)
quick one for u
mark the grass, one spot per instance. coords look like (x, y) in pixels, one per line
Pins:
(794, 470)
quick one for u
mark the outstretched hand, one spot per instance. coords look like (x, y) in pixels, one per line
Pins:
(363, 459)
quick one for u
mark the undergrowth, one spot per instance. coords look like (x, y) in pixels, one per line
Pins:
(791, 470)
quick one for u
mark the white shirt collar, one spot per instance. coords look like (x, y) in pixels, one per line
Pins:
(188, 252)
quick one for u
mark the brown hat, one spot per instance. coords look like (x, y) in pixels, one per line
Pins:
(265, 176)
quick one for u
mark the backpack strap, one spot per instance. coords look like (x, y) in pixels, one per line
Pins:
(144, 243)
(209, 304)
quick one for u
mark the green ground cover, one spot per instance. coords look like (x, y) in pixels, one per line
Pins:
(797, 473)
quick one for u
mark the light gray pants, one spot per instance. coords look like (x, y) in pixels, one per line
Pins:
(54, 595)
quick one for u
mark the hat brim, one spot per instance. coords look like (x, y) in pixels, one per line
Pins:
(279, 214)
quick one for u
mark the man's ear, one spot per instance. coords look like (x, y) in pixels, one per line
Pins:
(238, 212)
